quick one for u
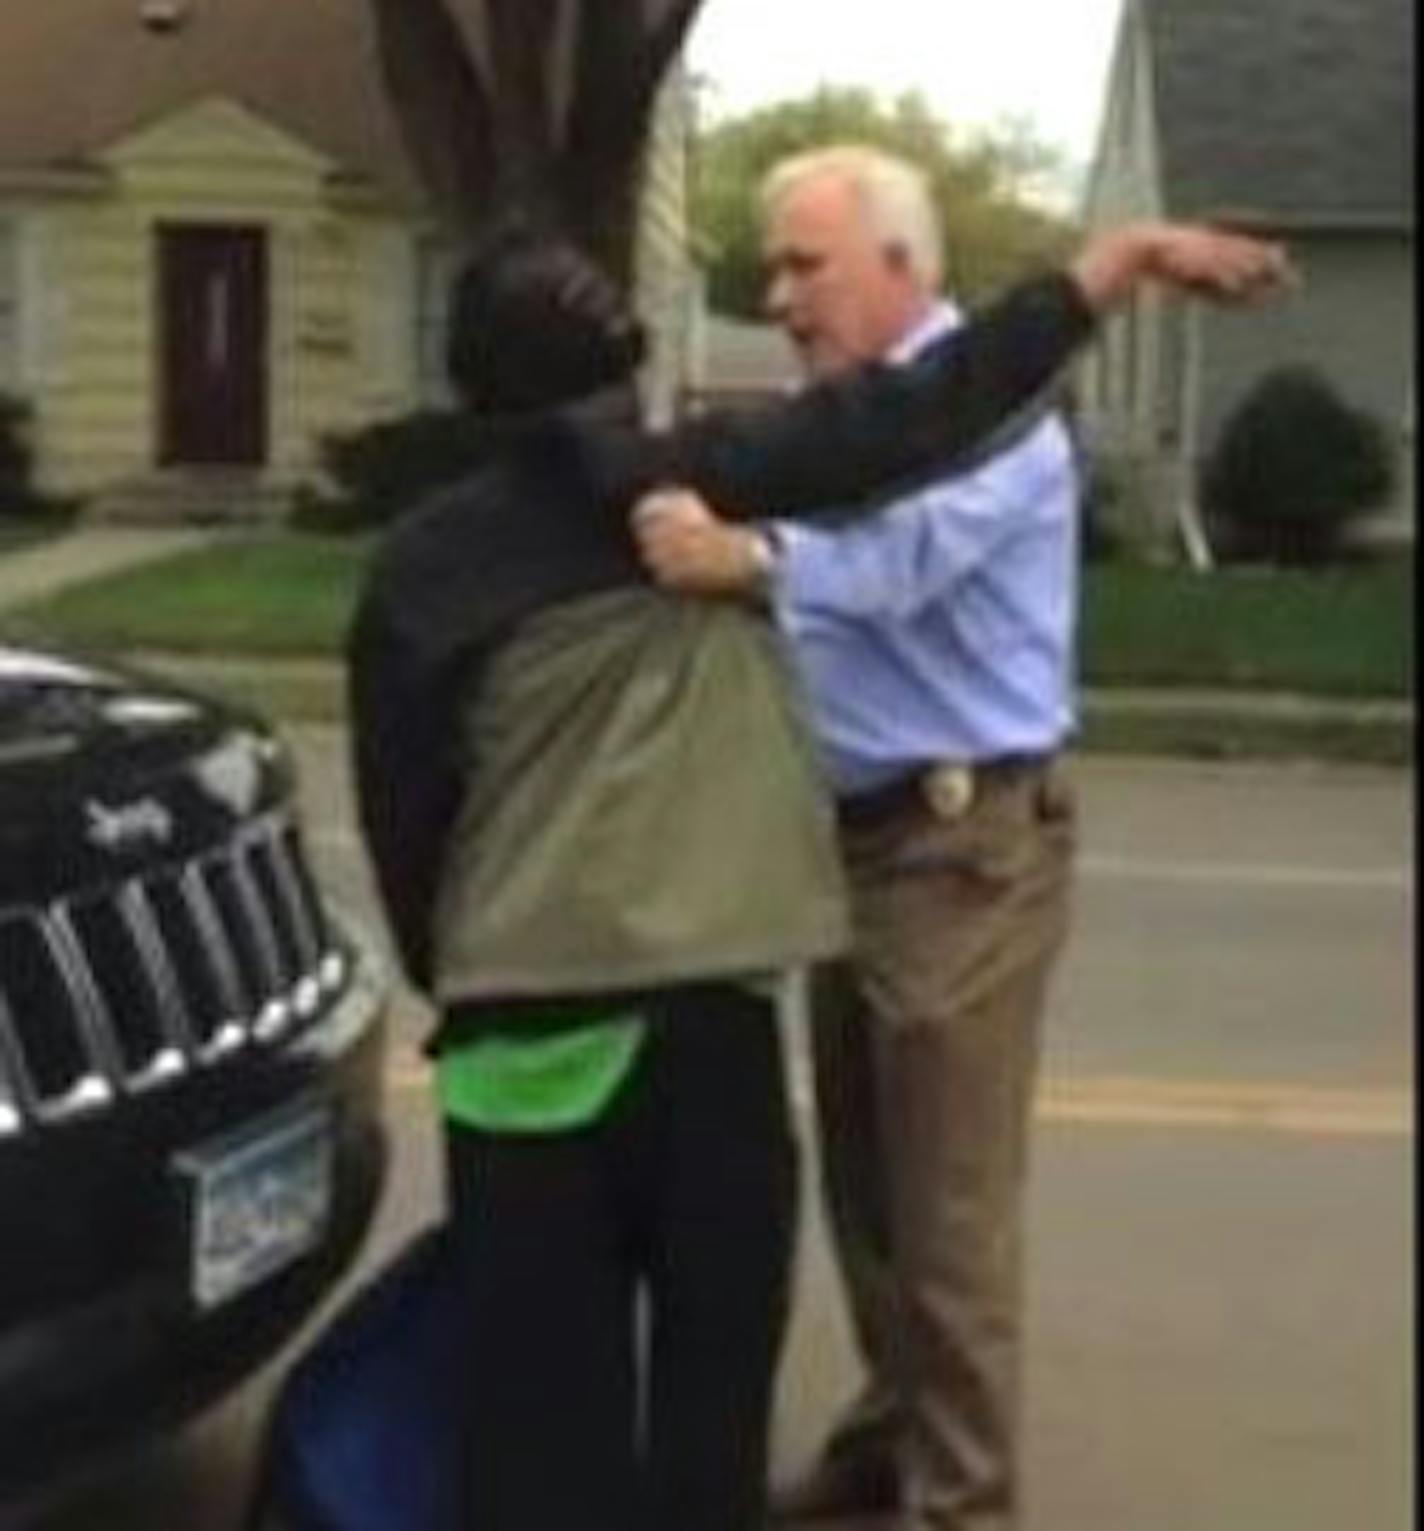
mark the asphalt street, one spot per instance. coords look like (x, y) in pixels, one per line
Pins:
(1221, 1221)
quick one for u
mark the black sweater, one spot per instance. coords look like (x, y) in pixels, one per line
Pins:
(547, 521)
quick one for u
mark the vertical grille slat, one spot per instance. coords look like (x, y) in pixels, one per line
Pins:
(245, 938)
(11, 1074)
(127, 988)
(59, 1070)
(294, 947)
(130, 987)
(42, 1010)
(310, 916)
(207, 990)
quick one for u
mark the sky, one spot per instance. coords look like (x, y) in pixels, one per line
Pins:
(979, 62)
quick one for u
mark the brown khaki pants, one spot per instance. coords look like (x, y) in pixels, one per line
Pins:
(926, 1054)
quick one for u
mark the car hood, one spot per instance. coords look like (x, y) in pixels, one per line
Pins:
(52, 707)
(104, 770)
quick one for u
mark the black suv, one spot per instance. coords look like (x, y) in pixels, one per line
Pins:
(190, 1062)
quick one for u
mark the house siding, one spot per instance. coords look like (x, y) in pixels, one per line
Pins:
(98, 387)
(664, 271)
(1119, 377)
(1164, 376)
(349, 337)
(1353, 316)
(1130, 383)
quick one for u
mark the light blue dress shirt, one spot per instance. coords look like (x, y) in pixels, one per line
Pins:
(944, 628)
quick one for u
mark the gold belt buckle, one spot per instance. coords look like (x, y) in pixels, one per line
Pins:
(949, 790)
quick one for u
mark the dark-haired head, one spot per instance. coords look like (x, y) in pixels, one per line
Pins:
(536, 323)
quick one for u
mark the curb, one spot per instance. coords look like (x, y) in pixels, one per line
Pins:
(1215, 725)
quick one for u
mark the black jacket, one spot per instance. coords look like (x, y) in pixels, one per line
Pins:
(547, 521)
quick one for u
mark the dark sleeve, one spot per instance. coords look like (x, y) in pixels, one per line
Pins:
(875, 432)
(407, 784)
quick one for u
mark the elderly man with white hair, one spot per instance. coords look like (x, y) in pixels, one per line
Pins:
(936, 642)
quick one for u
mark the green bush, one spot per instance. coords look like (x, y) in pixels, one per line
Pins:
(1105, 505)
(1293, 467)
(380, 471)
(17, 494)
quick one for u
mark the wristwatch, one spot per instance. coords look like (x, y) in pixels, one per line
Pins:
(764, 546)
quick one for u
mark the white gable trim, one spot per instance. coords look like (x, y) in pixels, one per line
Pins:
(243, 135)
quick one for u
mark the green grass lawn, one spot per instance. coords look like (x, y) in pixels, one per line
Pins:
(1345, 632)
(1339, 632)
(270, 596)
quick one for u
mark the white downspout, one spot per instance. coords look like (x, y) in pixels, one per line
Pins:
(1188, 512)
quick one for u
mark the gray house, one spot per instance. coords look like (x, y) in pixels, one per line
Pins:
(1290, 116)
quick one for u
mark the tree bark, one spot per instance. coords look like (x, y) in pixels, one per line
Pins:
(553, 120)
(623, 52)
(441, 106)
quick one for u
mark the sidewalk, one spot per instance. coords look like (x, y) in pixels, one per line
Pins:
(1187, 724)
(34, 572)
(1284, 706)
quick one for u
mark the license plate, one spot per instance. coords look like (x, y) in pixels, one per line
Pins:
(260, 1200)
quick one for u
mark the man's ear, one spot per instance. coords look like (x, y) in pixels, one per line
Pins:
(898, 259)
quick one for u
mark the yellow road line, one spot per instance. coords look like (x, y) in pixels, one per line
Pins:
(1262, 1107)
(1267, 1106)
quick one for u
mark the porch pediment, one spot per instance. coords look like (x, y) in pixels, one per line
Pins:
(216, 127)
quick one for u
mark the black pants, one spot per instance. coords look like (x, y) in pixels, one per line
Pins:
(677, 1203)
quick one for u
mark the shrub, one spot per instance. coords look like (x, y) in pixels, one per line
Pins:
(20, 500)
(17, 495)
(381, 470)
(1293, 467)
(1106, 507)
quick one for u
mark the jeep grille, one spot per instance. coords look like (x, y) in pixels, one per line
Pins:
(122, 991)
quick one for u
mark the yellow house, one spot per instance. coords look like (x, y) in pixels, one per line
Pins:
(213, 251)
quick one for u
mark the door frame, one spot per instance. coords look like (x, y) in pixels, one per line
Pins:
(227, 425)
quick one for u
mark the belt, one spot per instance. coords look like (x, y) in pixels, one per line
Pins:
(947, 788)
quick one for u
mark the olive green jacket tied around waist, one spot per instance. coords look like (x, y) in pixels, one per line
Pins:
(642, 806)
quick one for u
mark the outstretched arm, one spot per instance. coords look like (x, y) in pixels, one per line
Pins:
(884, 429)
(1194, 259)
(687, 548)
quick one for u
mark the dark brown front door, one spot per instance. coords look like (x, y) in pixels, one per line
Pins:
(213, 308)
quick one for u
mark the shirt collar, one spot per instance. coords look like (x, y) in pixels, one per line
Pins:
(943, 316)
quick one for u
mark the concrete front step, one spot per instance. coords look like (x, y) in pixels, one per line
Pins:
(193, 497)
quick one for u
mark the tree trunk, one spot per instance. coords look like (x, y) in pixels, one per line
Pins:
(540, 106)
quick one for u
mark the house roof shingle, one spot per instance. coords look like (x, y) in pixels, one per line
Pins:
(1298, 109)
(76, 75)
